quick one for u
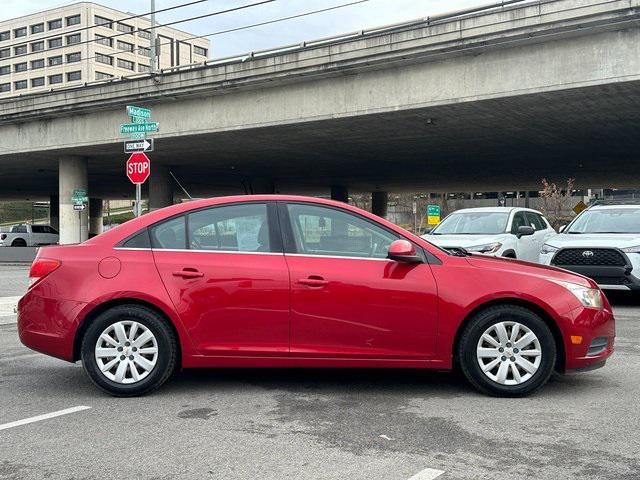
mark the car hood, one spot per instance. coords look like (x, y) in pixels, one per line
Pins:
(617, 240)
(528, 268)
(463, 241)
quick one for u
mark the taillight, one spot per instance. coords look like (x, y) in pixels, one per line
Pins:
(40, 268)
(3, 236)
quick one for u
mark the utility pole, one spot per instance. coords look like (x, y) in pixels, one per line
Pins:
(152, 31)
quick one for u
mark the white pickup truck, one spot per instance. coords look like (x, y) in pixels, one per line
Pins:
(24, 235)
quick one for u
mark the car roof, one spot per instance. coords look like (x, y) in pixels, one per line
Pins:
(614, 206)
(497, 209)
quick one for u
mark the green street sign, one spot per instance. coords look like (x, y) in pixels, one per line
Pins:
(138, 120)
(134, 111)
(127, 128)
(137, 136)
(433, 210)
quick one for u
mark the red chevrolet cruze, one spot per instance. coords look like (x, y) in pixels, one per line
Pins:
(284, 281)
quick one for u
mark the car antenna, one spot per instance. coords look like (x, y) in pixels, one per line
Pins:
(180, 185)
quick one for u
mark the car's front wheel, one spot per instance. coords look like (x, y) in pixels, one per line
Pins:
(507, 350)
(129, 350)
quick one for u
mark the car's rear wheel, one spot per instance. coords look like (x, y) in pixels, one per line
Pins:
(129, 350)
(19, 242)
(507, 350)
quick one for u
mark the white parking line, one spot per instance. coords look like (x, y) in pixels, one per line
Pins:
(45, 416)
(8, 310)
(427, 474)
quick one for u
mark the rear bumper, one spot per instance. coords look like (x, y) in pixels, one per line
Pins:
(48, 325)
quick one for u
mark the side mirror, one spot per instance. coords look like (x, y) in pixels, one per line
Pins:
(525, 230)
(403, 251)
(561, 228)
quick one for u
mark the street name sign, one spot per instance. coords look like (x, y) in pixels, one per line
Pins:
(138, 168)
(79, 196)
(127, 128)
(144, 145)
(139, 112)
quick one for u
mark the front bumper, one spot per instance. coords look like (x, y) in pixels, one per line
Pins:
(590, 342)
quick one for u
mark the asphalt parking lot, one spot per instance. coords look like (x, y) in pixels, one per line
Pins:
(315, 424)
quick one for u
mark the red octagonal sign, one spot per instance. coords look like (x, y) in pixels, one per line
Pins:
(138, 168)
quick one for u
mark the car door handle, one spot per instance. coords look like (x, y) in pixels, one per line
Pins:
(313, 281)
(188, 273)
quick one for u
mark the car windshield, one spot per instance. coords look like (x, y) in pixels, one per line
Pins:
(473, 223)
(608, 220)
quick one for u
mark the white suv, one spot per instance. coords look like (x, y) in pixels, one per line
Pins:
(603, 243)
(500, 231)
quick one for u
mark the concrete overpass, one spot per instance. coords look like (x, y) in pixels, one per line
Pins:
(495, 99)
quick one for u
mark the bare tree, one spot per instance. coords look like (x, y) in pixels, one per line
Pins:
(556, 202)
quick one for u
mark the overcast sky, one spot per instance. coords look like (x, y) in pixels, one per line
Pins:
(369, 14)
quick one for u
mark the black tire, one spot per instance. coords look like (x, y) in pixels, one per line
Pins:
(19, 242)
(167, 350)
(467, 350)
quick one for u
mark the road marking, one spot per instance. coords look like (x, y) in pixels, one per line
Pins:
(45, 416)
(8, 306)
(427, 474)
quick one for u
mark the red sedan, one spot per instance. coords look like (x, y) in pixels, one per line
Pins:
(284, 281)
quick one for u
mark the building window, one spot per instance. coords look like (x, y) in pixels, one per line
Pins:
(36, 64)
(105, 22)
(57, 60)
(73, 57)
(37, 82)
(55, 24)
(125, 46)
(20, 50)
(20, 67)
(124, 28)
(5, 87)
(143, 68)
(74, 76)
(37, 28)
(200, 50)
(37, 46)
(5, 70)
(5, 53)
(144, 34)
(106, 59)
(73, 20)
(5, 36)
(126, 64)
(103, 76)
(20, 32)
(106, 41)
(73, 39)
(53, 79)
(145, 52)
(55, 42)
(20, 85)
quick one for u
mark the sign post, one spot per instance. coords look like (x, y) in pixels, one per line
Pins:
(138, 169)
(138, 166)
(80, 199)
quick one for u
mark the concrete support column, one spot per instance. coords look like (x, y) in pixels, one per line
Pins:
(95, 216)
(54, 211)
(379, 203)
(339, 193)
(72, 173)
(160, 187)
(262, 186)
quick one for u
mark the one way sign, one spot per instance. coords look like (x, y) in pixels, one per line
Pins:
(144, 145)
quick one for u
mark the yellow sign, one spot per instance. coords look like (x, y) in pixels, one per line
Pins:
(433, 219)
(580, 206)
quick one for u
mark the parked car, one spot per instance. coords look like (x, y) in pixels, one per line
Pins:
(499, 231)
(603, 243)
(25, 235)
(285, 281)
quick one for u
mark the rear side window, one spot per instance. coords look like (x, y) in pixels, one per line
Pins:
(140, 240)
(235, 228)
(38, 229)
(170, 234)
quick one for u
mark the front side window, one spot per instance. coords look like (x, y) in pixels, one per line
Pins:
(519, 220)
(235, 228)
(19, 229)
(606, 220)
(473, 223)
(328, 231)
(170, 234)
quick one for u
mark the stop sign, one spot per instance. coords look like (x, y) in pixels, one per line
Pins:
(138, 168)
